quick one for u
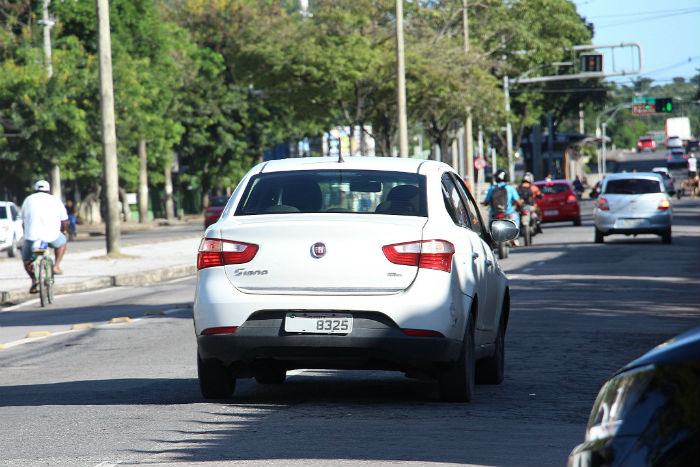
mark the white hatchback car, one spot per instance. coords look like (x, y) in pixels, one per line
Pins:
(11, 231)
(364, 263)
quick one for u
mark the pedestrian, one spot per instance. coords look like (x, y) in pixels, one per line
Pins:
(45, 218)
(692, 166)
(72, 219)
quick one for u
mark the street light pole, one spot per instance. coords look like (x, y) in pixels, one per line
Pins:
(468, 136)
(401, 82)
(509, 130)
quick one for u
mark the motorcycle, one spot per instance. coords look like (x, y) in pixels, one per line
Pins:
(529, 223)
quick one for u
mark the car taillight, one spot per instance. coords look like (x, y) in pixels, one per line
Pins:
(571, 199)
(664, 204)
(429, 254)
(216, 252)
(603, 204)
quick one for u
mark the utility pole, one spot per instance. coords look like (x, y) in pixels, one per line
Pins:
(469, 144)
(401, 82)
(47, 22)
(509, 130)
(109, 134)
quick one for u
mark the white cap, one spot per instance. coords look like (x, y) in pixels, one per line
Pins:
(42, 185)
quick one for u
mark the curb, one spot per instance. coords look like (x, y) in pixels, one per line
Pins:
(153, 276)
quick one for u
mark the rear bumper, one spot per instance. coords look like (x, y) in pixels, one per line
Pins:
(656, 224)
(374, 343)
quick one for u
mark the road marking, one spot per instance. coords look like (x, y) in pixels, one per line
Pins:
(34, 334)
(120, 319)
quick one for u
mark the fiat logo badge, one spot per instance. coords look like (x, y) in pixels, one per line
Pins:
(318, 249)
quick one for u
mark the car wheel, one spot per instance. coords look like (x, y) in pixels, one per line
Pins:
(577, 221)
(491, 370)
(457, 381)
(12, 252)
(599, 237)
(527, 235)
(271, 376)
(215, 380)
(666, 236)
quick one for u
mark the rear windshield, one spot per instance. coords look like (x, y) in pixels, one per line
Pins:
(553, 188)
(677, 153)
(632, 186)
(219, 201)
(351, 191)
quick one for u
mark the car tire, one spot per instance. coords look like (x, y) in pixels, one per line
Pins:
(577, 221)
(457, 381)
(215, 380)
(12, 251)
(666, 237)
(491, 370)
(271, 376)
(599, 237)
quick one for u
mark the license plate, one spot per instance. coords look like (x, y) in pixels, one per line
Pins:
(551, 212)
(632, 222)
(318, 323)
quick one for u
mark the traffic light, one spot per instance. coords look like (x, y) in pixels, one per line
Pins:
(591, 62)
(663, 104)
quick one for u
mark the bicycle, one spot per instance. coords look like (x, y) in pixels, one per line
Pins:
(43, 272)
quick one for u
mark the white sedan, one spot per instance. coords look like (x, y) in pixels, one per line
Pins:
(362, 263)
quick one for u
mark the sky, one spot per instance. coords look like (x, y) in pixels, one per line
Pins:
(667, 31)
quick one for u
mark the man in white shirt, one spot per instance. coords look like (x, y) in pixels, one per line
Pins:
(692, 166)
(45, 218)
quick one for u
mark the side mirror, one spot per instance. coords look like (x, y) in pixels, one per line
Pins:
(503, 230)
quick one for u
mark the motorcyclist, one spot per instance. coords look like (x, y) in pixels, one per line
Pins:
(528, 191)
(513, 198)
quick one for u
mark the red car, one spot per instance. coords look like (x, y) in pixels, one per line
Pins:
(559, 202)
(646, 142)
(217, 205)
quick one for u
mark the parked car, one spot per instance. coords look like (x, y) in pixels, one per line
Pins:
(646, 143)
(632, 204)
(646, 413)
(214, 210)
(676, 157)
(559, 202)
(669, 184)
(11, 230)
(363, 263)
(692, 145)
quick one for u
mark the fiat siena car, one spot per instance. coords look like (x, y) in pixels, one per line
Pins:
(632, 204)
(647, 413)
(363, 263)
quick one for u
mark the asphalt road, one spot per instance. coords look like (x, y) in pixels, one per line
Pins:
(126, 393)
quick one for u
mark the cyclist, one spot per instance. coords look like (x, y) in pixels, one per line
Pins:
(45, 218)
(502, 193)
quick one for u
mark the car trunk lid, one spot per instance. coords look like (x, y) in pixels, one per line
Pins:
(322, 253)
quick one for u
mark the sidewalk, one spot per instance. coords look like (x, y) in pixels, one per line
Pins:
(142, 264)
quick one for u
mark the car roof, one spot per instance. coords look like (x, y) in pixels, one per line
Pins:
(397, 164)
(553, 182)
(627, 175)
